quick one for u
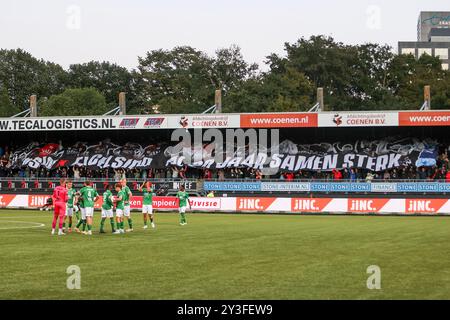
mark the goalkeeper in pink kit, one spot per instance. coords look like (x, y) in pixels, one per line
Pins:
(60, 198)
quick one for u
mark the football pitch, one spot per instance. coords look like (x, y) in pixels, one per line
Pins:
(229, 256)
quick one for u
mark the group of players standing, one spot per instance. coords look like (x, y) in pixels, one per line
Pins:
(69, 202)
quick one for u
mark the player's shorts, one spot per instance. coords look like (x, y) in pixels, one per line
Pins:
(182, 209)
(147, 208)
(119, 213)
(89, 211)
(127, 211)
(83, 213)
(107, 213)
(69, 212)
(60, 208)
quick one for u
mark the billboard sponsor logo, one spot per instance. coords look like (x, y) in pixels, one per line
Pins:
(278, 120)
(383, 187)
(129, 123)
(424, 205)
(153, 122)
(165, 202)
(205, 203)
(184, 122)
(37, 201)
(285, 186)
(309, 205)
(366, 205)
(358, 119)
(5, 199)
(254, 204)
(337, 119)
(210, 121)
(424, 118)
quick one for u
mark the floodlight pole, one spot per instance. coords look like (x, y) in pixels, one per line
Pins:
(122, 104)
(33, 106)
(427, 97)
(320, 99)
(218, 101)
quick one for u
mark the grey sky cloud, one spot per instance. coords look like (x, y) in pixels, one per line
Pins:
(78, 31)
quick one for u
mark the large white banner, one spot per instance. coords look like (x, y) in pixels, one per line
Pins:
(120, 122)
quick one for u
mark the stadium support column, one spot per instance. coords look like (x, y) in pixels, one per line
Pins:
(427, 97)
(218, 101)
(320, 99)
(33, 106)
(122, 104)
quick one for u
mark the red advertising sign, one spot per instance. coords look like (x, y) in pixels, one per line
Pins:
(424, 205)
(254, 204)
(35, 201)
(366, 205)
(5, 199)
(293, 120)
(309, 204)
(424, 118)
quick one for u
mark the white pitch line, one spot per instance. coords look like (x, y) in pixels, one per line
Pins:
(36, 225)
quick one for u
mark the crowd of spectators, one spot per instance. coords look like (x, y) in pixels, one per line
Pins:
(441, 171)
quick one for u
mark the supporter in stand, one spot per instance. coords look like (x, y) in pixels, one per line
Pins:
(337, 175)
(447, 177)
(408, 172)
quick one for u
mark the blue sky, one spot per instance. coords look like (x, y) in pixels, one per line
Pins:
(78, 31)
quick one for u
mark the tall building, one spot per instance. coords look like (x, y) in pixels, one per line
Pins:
(433, 37)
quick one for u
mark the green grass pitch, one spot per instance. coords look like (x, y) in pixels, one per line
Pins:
(224, 256)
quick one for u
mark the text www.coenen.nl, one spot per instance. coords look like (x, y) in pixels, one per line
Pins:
(421, 119)
(290, 120)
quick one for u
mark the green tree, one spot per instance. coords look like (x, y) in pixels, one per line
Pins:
(74, 102)
(177, 80)
(183, 80)
(7, 109)
(108, 78)
(25, 75)
(229, 70)
(326, 63)
(409, 76)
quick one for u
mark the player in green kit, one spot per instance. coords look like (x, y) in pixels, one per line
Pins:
(71, 193)
(90, 196)
(119, 200)
(126, 202)
(107, 209)
(147, 203)
(80, 203)
(183, 199)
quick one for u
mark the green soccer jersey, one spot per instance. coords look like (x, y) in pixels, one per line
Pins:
(126, 198)
(183, 196)
(107, 200)
(148, 197)
(80, 198)
(71, 196)
(88, 194)
(120, 203)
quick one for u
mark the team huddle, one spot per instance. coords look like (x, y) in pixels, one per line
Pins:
(69, 202)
